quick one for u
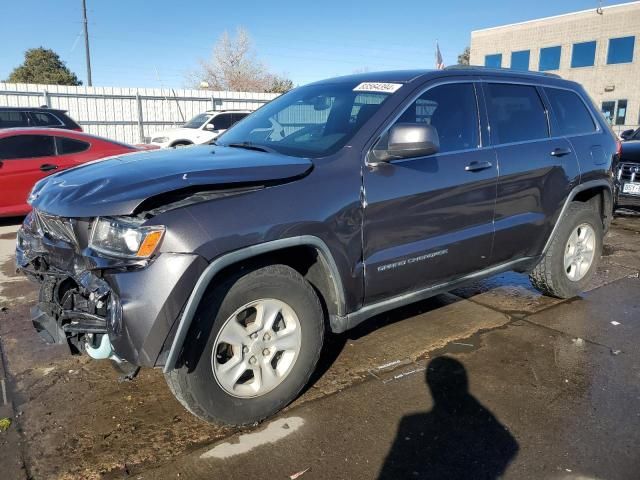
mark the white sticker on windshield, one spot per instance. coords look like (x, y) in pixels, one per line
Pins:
(377, 87)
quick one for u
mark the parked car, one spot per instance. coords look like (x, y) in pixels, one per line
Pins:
(630, 135)
(225, 264)
(14, 117)
(201, 129)
(627, 178)
(30, 154)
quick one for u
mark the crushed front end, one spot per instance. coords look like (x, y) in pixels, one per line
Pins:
(97, 297)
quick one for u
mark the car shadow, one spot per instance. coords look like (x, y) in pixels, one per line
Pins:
(8, 221)
(458, 438)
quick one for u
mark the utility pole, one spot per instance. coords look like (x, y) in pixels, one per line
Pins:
(86, 40)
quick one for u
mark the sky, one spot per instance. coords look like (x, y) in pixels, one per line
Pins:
(157, 43)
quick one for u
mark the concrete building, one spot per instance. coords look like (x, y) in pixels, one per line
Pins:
(597, 47)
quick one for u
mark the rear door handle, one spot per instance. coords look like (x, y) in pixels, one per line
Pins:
(45, 167)
(560, 152)
(477, 166)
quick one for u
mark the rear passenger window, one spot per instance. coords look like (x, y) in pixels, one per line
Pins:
(571, 112)
(26, 146)
(452, 110)
(11, 119)
(516, 113)
(67, 146)
(44, 119)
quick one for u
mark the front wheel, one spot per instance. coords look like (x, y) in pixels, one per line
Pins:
(572, 259)
(263, 332)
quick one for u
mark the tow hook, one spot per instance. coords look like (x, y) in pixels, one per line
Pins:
(104, 349)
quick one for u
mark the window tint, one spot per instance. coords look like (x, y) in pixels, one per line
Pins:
(222, 122)
(493, 61)
(571, 112)
(26, 146)
(10, 119)
(516, 113)
(583, 55)
(621, 113)
(452, 110)
(238, 116)
(520, 60)
(550, 58)
(67, 146)
(44, 119)
(621, 50)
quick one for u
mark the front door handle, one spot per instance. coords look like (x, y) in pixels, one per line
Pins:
(477, 166)
(560, 152)
(45, 167)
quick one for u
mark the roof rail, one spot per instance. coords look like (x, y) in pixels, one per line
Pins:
(501, 70)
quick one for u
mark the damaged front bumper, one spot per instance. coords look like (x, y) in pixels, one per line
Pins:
(123, 309)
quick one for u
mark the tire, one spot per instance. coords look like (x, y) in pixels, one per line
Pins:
(550, 276)
(181, 144)
(195, 384)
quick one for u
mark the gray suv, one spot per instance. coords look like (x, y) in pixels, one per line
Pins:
(226, 265)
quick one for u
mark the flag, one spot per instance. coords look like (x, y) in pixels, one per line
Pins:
(439, 61)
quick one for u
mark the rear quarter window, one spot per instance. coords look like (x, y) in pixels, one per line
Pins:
(46, 119)
(571, 113)
(67, 146)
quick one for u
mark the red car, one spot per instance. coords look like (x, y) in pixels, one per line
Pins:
(29, 154)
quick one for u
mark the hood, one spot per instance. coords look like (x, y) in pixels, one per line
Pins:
(631, 151)
(116, 186)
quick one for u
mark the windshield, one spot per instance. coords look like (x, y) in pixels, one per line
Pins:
(312, 121)
(197, 121)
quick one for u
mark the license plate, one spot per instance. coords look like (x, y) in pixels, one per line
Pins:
(633, 188)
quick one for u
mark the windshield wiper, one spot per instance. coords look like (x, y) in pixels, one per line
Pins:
(250, 146)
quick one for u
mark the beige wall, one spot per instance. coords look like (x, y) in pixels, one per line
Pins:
(565, 30)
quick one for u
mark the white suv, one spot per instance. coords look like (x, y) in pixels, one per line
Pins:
(200, 129)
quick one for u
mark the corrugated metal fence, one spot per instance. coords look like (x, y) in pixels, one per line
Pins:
(127, 114)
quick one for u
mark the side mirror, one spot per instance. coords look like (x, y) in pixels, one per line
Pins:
(409, 140)
(210, 127)
(627, 134)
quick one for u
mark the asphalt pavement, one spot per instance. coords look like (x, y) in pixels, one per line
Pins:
(490, 381)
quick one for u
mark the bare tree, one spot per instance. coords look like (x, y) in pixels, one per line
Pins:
(235, 67)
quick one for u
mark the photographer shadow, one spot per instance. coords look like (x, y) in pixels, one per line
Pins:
(458, 439)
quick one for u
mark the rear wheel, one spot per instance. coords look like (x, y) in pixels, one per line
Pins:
(572, 258)
(263, 333)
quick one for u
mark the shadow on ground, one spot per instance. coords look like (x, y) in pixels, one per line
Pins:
(458, 438)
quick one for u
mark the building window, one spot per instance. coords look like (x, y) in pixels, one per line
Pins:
(493, 61)
(583, 55)
(621, 112)
(620, 50)
(607, 110)
(520, 60)
(550, 58)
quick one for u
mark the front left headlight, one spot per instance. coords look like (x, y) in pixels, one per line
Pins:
(118, 237)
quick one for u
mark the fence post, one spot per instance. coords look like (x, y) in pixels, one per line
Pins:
(46, 98)
(140, 119)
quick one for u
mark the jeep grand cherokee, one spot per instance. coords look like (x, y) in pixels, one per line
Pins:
(226, 264)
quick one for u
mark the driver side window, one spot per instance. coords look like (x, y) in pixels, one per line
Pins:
(452, 110)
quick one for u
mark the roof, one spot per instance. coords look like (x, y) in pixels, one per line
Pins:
(603, 9)
(407, 76)
(32, 109)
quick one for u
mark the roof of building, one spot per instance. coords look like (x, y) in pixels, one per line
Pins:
(569, 14)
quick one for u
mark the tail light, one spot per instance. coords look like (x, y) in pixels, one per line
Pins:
(618, 148)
